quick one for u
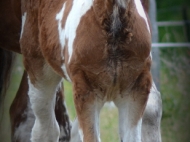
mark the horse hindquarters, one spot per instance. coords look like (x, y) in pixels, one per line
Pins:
(151, 120)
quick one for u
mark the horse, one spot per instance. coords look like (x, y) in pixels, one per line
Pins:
(150, 122)
(22, 120)
(102, 47)
(55, 67)
(21, 115)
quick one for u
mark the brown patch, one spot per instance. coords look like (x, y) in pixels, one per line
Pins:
(110, 61)
(33, 58)
(99, 52)
(145, 4)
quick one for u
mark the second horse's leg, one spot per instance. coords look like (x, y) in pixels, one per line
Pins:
(42, 93)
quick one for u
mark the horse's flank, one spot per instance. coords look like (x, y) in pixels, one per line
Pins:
(102, 47)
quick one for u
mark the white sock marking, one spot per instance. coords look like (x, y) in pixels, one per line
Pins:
(129, 129)
(23, 132)
(81, 134)
(42, 98)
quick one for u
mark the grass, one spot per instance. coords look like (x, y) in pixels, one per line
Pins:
(17, 72)
(175, 95)
(108, 117)
(175, 74)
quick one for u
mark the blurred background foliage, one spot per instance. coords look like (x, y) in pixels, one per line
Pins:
(174, 82)
(175, 71)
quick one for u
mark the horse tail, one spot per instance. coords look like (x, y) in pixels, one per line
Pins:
(6, 61)
(114, 16)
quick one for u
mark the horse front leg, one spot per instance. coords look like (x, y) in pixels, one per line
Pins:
(88, 107)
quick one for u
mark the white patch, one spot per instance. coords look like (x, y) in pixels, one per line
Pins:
(127, 114)
(42, 97)
(152, 100)
(151, 55)
(79, 8)
(122, 3)
(152, 117)
(141, 12)
(62, 35)
(81, 134)
(23, 132)
(75, 136)
(23, 23)
(67, 125)
(63, 67)
(62, 132)
(154, 104)
(59, 17)
(109, 105)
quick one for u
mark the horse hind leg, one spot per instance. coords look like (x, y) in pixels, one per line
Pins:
(42, 93)
(152, 117)
(131, 108)
(88, 107)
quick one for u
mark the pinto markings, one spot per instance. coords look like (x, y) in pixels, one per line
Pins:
(141, 12)
(23, 23)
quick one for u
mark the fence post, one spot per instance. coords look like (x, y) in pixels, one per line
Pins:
(155, 51)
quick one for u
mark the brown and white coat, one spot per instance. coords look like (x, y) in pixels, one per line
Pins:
(102, 47)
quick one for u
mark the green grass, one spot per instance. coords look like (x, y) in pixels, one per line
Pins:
(108, 117)
(175, 73)
(17, 72)
(175, 90)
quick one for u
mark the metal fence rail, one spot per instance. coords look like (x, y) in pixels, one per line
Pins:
(161, 45)
(172, 23)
